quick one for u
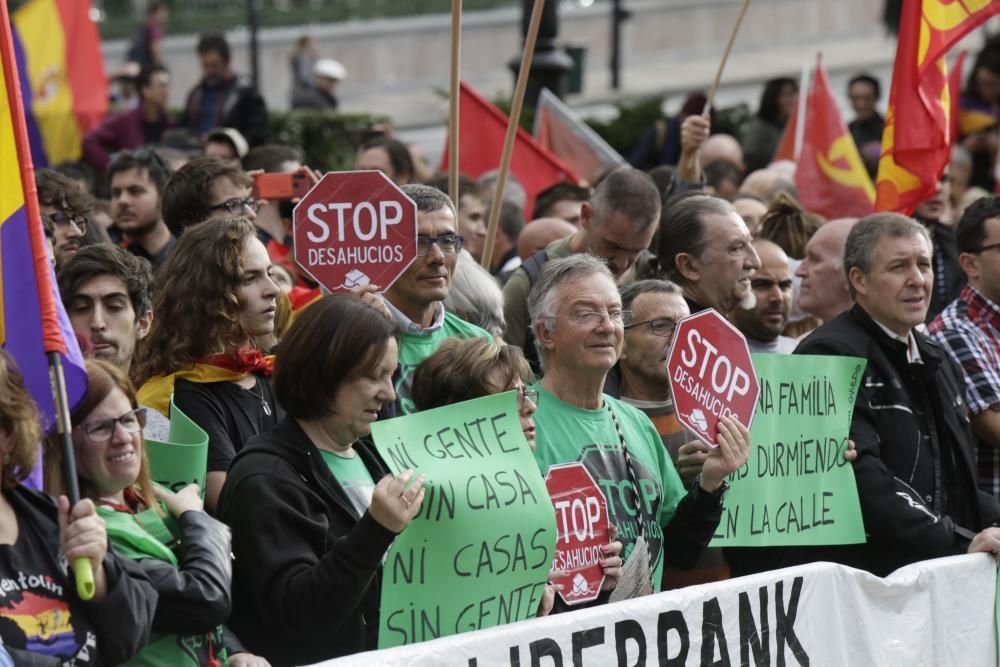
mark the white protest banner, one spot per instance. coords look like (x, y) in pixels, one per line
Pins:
(938, 612)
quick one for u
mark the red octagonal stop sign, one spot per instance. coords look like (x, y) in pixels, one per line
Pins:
(355, 228)
(582, 525)
(711, 374)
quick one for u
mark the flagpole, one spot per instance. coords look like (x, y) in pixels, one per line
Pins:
(82, 567)
(512, 124)
(453, 105)
(800, 125)
(725, 56)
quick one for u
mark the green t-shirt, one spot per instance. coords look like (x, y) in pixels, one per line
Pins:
(147, 535)
(415, 347)
(567, 434)
(352, 474)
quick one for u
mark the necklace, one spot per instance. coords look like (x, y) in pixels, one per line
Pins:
(263, 402)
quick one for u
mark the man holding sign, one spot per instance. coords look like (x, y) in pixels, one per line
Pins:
(579, 327)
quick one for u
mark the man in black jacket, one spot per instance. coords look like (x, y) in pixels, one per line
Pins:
(915, 465)
(223, 99)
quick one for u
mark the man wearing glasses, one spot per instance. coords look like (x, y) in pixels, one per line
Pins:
(207, 189)
(969, 330)
(65, 209)
(416, 298)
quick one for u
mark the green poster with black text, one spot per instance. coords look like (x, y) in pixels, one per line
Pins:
(479, 552)
(796, 488)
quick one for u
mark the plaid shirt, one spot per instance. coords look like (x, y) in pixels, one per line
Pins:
(969, 330)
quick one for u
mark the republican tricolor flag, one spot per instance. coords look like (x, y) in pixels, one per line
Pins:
(831, 178)
(917, 140)
(33, 324)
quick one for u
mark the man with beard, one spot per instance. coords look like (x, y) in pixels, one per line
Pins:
(579, 325)
(416, 298)
(706, 248)
(137, 180)
(949, 279)
(763, 323)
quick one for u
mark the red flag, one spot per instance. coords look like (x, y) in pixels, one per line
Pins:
(562, 132)
(482, 128)
(917, 137)
(830, 175)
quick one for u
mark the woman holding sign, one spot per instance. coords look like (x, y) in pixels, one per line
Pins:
(312, 508)
(40, 613)
(183, 551)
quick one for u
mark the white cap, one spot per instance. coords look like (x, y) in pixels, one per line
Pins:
(330, 69)
(232, 136)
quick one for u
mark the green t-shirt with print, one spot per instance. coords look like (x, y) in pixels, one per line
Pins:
(567, 434)
(148, 535)
(353, 476)
(415, 347)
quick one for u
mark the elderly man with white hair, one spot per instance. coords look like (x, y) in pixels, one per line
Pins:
(578, 321)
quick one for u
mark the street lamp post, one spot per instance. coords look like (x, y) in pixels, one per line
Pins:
(550, 64)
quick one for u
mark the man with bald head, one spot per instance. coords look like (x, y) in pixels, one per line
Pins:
(752, 210)
(763, 323)
(722, 147)
(540, 233)
(764, 184)
(824, 292)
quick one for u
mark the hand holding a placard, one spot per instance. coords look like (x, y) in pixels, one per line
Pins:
(82, 534)
(187, 499)
(395, 502)
(691, 457)
(369, 294)
(729, 456)
(986, 541)
(612, 563)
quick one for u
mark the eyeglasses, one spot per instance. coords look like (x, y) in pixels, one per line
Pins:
(984, 248)
(236, 205)
(64, 219)
(526, 395)
(593, 318)
(661, 326)
(101, 431)
(449, 244)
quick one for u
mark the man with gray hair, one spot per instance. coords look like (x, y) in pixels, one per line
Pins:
(915, 468)
(615, 225)
(706, 248)
(579, 326)
(415, 299)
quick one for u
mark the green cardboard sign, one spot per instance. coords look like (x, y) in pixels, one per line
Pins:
(796, 488)
(479, 552)
(183, 459)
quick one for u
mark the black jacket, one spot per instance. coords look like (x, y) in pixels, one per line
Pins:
(240, 106)
(307, 574)
(918, 496)
(122, 619)
(194, 596)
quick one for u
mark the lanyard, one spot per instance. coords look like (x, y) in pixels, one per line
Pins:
(630, 468)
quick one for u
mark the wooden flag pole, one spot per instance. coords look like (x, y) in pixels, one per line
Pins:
(453, 106)
(512, 124)
(725, 56)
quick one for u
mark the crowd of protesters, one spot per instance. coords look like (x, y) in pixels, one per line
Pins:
(184, 294)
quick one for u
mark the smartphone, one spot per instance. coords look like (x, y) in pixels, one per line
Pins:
(281, 187)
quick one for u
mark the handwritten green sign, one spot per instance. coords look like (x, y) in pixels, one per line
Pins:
(796, 488)
(479, 552)
(182, 459)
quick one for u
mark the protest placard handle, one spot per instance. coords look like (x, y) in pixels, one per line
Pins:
(512, 124)
(453, 106)
(725, 56)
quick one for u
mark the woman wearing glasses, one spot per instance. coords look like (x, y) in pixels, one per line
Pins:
(183, 551)
(42, 621)
(311, 505)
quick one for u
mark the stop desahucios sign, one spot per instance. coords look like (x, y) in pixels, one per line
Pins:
(355, 228)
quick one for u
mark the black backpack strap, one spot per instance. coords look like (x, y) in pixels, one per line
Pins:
(533, 265)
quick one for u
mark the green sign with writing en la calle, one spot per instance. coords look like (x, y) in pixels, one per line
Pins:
(478, 553)
(796, 488)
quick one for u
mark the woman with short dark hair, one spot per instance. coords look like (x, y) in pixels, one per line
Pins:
(312, 507)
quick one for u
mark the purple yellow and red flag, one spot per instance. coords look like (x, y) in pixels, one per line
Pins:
(32, 320)
(917, 140)
(831, 178)
(63, 85)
